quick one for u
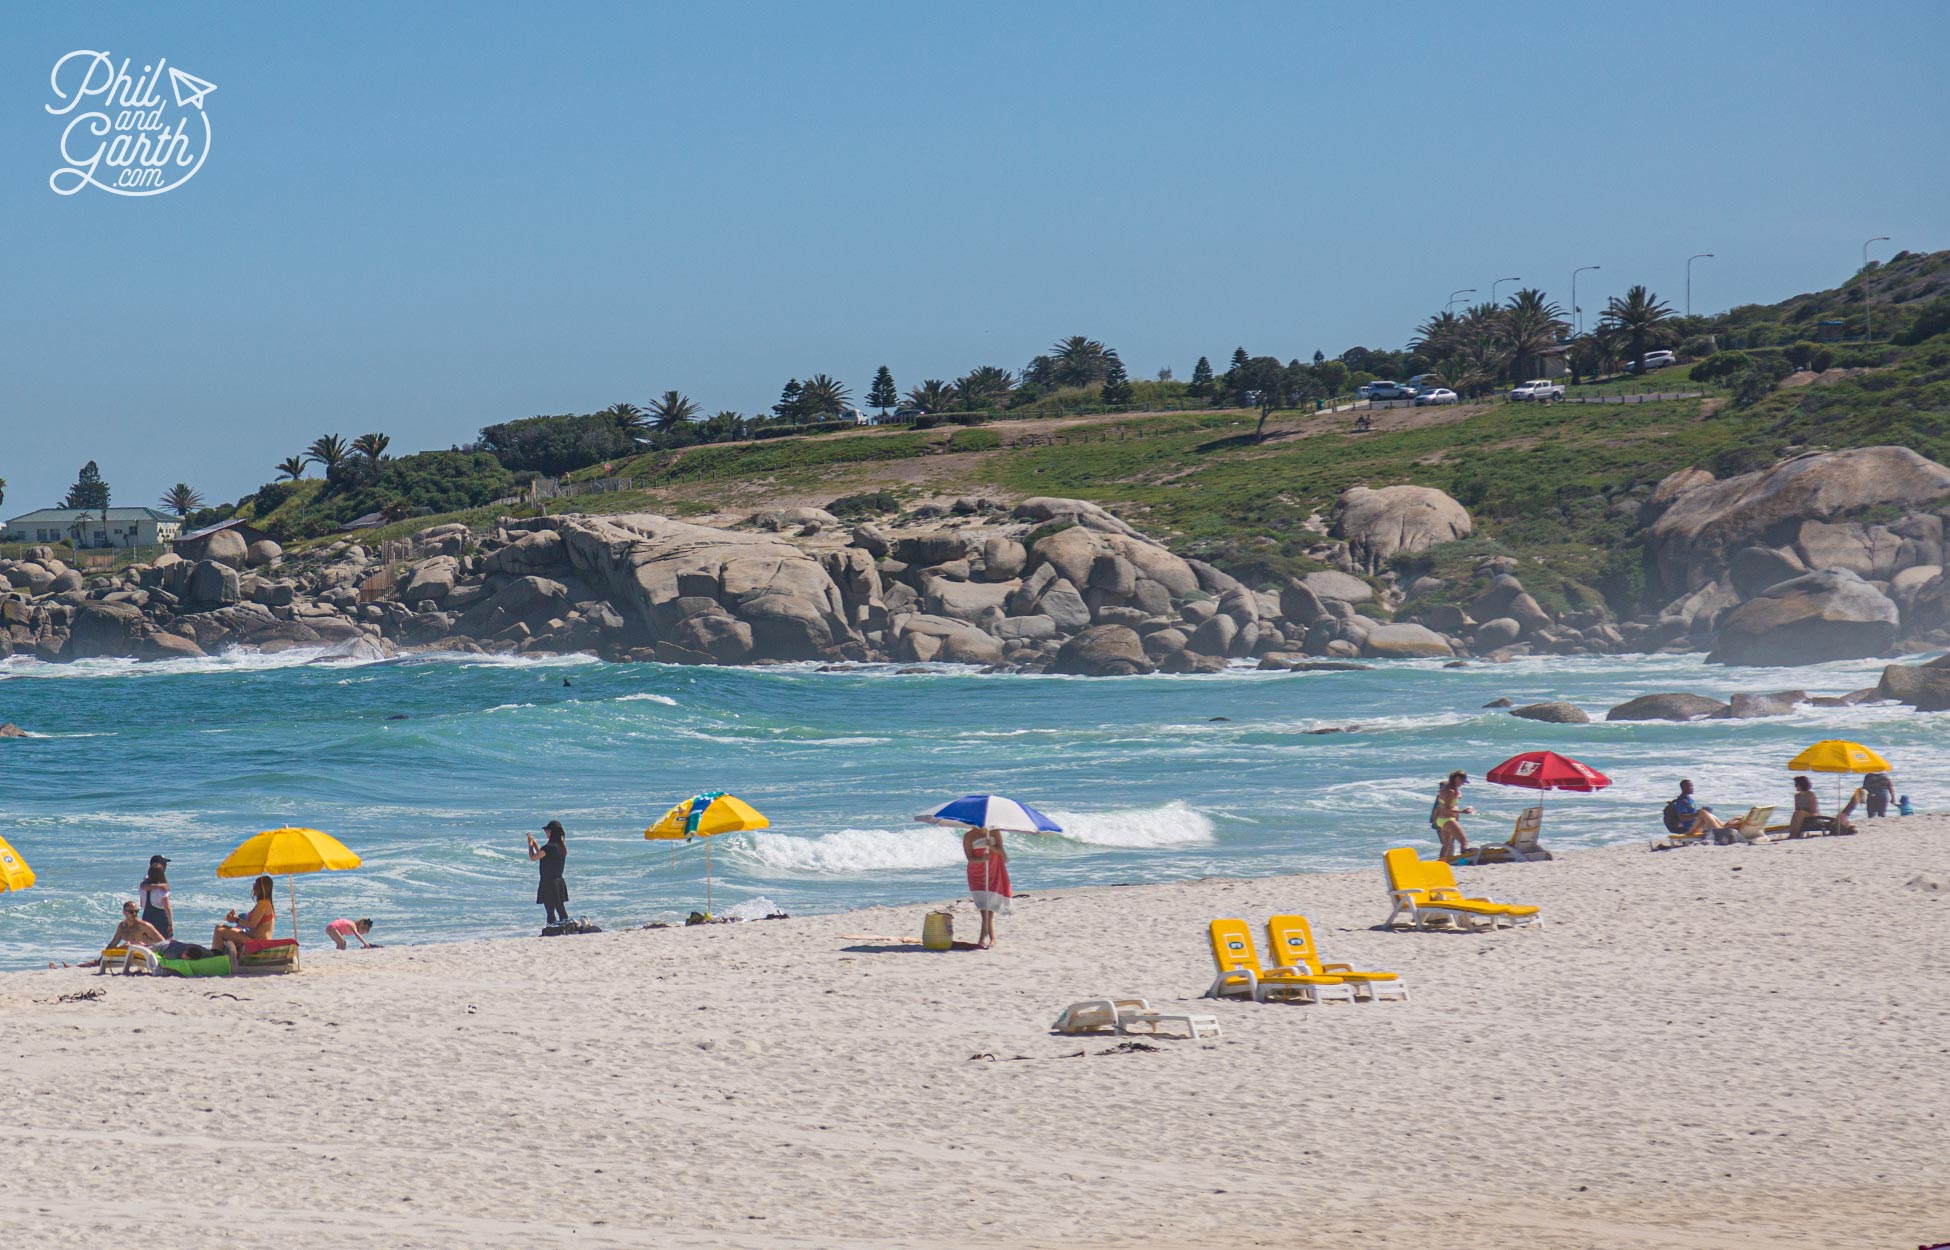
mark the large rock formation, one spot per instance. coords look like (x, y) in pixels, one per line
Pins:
(1704, 522)
(1379, 523)
(1811, 619)
(1672, 706)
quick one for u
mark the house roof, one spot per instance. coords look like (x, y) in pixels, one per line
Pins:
(250, 532)
(62, 516)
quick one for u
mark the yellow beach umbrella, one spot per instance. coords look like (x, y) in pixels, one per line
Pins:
(14, 872)
(706, 816)
(286, 853)
(1836, 755)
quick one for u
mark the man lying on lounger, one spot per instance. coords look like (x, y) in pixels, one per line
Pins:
(1685, 816)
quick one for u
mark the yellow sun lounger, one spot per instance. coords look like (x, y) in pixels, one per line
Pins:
(1291, 940)
(1240, 972)
(1425, 891)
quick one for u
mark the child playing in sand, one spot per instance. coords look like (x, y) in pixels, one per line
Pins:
(341, 929)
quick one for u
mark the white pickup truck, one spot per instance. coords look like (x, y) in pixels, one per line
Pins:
(1542, 390)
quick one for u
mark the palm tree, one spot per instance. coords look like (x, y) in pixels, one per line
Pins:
(1642, 319)
(372, 447)
(181, 500)
(1527, 326)
(1459, 374)
(1596, 354)
(327, 451)
(984, 387)
(1439, 337)
(1079, 361)
(291, 468)
(933, 395)
(823, 396)
(629, 418)
(725, 426)
(672, 409)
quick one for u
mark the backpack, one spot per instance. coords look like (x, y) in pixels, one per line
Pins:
(1675, 822)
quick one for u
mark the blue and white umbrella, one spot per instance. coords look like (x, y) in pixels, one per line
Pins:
(990, 811)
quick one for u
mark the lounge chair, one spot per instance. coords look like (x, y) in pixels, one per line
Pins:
(1821, 824)
(269, 955)
(1127, 1015)
(1425, 891)
(1522, 847)
(1240, 972)
(1291, 940)
(1749, 828)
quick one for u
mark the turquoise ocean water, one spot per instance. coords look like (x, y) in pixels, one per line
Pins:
(1154, 779)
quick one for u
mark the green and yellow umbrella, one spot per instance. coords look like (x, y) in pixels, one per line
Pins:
(286, 853)
(14, 872)
(706, 816)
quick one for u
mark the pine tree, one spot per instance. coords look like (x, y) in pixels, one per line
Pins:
(882, 394)
(1117, 384)
(1319, 357)
(1201, 377)
(89, 492)
(789, 406)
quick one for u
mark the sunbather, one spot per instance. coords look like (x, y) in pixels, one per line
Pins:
(1684, 815)
(135, 931)
(1807, 813)
(231, 935)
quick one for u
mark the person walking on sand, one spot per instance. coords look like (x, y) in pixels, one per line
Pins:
(553, 892)
(988, 878)
(1878, 788)
(1443, 817)
(154, 895)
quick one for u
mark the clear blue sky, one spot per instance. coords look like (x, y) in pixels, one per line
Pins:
(423, 218)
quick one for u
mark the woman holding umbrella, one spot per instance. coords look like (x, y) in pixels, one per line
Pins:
(988, 878)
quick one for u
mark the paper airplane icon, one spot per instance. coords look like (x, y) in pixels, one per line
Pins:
(189, 89)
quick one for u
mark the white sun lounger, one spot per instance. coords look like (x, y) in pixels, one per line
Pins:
(1127, 1015)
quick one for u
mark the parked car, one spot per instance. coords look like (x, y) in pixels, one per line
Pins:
(1543, 390)
(1389, 390)
(1434, 395)
(1660, 359)
(907, 412)
(1361, 391)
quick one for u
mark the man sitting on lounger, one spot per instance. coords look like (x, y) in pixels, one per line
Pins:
(1684, 815)
(135, 931)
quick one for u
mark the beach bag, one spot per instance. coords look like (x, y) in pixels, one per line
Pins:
(1675, 822)
(938, 931)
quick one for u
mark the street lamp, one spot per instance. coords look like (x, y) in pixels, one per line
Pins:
(1499, 282)
(1868, 311)
(1575, 310)
(1689, 277)
(1468, 290)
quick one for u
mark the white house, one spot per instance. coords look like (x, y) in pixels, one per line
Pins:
(123, 527)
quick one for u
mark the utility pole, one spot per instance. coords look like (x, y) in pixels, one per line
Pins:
(1468, 290)
(1499, 282)
(1868, 310)
(1577, 312)
(1689, 277)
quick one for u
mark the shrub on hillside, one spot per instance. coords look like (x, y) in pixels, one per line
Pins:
(428, 481)
(1934, 319)
(1721, 366)
(974, 440)
(558, 444)
(1810, 356)
(269, 496)
(867, 503)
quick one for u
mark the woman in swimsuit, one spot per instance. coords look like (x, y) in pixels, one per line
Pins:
(231, 935)
(1443, 817)
(988, 878)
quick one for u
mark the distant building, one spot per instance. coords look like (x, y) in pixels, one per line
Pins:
(190, 545)
(123, 527)
(1554, 362)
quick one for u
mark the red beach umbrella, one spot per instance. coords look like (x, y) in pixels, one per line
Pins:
(1547, 770)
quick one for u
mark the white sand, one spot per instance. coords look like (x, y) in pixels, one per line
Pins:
(1706, 1048)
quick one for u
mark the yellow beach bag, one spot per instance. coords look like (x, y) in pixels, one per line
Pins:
(938, 931)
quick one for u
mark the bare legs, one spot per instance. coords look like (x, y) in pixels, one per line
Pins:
(1453, 841)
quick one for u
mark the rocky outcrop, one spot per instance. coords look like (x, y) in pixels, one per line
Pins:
(1812, 619)
(1674, 706)
(1925, 687)
(1404, 642)
(1103, 651)
(1553, 713)
(1705, 522)
(1378, 524)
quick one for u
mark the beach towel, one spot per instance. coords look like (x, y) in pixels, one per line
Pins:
(215, 966)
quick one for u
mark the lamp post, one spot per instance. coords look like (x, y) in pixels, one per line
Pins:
(1868, 310)
(1575, 310)
(1468, 290)
(1689, 277)
(1499, 282)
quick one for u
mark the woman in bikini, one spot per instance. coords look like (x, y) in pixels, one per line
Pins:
(231, 935)
(1443, 816)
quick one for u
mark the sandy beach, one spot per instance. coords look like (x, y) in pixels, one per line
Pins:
(1720, 1047)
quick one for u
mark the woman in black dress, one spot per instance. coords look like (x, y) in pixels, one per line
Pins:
(553, 893)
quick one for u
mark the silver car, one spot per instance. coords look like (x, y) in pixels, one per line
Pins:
(1435, 395)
